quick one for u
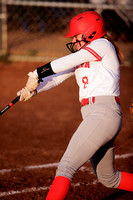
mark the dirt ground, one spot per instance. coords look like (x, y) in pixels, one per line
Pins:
(37, 132)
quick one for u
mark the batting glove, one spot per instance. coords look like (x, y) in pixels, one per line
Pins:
(25, 94)
(32, 82)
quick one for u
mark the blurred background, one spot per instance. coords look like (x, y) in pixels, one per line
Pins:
(34, 29)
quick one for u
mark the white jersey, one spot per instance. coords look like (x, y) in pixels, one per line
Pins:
(96, 68)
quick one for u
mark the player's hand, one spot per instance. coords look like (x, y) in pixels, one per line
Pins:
(32, 82)
(25, 94)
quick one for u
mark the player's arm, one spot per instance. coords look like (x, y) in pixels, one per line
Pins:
(60, 65)
(92, 52)
(54, 80)
(57, 66)
(50, 69)
(33, 82)
(46, 83)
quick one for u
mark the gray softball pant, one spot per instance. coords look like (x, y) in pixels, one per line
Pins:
(94, 141)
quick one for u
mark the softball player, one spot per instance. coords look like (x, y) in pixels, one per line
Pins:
(95, 63)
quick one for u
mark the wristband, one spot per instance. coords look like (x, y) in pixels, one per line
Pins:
(45, 71)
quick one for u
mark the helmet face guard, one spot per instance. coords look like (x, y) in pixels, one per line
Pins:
(90, 24)
(71, 46)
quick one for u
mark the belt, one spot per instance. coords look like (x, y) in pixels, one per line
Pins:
(92, 100)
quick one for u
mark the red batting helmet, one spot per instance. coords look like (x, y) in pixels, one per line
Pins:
(90, 24)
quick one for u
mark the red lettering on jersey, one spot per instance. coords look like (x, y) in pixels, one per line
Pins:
(85, 81)
(85, 65)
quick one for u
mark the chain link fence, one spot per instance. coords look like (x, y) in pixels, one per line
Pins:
(35, 30)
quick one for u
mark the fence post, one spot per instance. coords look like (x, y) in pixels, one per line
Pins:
(3, 27)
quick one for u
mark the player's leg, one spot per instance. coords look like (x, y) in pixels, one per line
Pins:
(126, 182)
(59, 188)
(103, 165)
(88, 138)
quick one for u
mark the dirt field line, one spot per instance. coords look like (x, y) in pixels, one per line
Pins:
(33, 189)
(3, 171)
(36, 189)
(49, 165)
